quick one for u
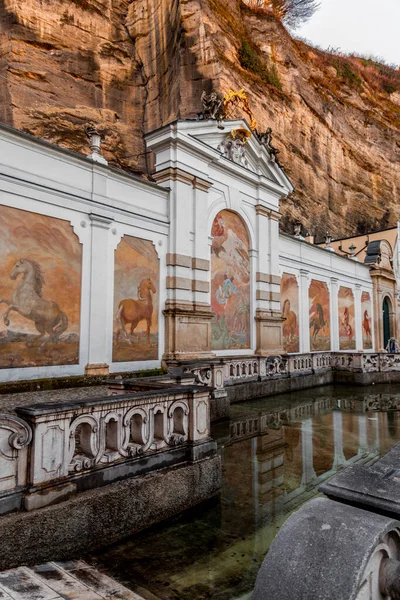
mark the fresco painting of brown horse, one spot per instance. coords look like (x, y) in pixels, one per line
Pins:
(131, 312)
(290, 323)
(318, 322)
(366, 307)
(320, 332)
(290, 312)
(346, 319)
(136, 300)
(366, 324)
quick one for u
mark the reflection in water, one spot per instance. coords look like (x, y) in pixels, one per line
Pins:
(275, 453)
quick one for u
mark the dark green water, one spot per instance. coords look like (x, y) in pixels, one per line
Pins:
(275, 452)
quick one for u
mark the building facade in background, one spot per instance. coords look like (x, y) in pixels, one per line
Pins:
(105, 272)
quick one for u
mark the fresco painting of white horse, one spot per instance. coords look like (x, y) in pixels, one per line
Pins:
(28, 301)
(40, 290)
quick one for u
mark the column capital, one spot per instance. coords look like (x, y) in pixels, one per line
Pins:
(175, 174)
(101, 221)
(268, 212)
(304, 272)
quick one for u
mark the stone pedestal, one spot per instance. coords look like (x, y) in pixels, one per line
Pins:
(269, 336)
(187, 330)
(99, 369)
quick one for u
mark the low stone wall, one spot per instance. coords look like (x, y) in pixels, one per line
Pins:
(103, 516)
(261, 389)
(80, 474)
(51, 451)
(351, 378)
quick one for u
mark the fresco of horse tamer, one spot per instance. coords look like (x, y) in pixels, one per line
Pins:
(136, 281)
(347, 333)
(230, 282)
(40, 290)
(320, 326)
(366, 312)
(290, 312)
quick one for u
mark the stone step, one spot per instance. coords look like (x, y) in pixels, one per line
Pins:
(72, 580)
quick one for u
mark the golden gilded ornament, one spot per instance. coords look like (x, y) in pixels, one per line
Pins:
(233, 100)
(242, 134)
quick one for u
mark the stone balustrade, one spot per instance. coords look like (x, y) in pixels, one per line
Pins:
(242, 369)
(235, 370)
(52, 450)
(71, 446)
(300, 364)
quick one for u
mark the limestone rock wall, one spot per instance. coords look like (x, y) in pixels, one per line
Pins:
(133, 65)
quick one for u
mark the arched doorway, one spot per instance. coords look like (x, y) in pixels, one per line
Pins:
(386, 321)
(230, 282)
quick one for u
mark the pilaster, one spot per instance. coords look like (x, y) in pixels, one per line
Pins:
(268, 315)
(335, 314)
(100, 295)
(304, 311)
(187, 311)
(358, 317)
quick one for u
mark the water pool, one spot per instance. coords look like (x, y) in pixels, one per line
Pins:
(275, 452)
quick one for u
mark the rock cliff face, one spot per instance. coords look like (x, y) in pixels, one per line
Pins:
(133, 65)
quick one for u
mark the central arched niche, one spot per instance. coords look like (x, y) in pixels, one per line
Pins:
(230, 282)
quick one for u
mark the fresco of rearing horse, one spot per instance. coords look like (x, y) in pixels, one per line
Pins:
(318, 322)
(131, 312)
(290, 324)
(28, 301)
(367, 326)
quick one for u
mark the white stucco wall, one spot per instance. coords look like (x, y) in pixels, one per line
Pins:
(307, 262)
(102, 204)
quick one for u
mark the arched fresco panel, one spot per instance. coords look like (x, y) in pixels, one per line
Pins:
(40, 290)
(290, 312)
(366, 312)
(136, 282)
(320, 328)
(230, 282)
(347, 333)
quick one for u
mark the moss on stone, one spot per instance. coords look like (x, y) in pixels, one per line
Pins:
(250, 59)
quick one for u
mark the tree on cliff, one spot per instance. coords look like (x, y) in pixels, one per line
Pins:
(291, 12)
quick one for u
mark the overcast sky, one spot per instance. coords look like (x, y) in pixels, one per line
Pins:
(359, 26)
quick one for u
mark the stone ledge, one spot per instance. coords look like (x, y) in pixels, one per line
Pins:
(99, 517)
